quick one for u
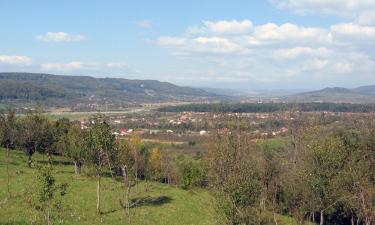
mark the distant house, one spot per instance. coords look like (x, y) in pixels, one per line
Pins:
(125, 132)
(154, 131)
(203, 132)
(117, 121)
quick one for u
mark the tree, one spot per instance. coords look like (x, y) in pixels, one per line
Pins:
(327, 158)
(45, 198)
(125, 161)
(234, 179)
(271, 169)
(37, 135)
(101, 145)
(76, 146)
(8, 137)
(155, 164)
(60, 129)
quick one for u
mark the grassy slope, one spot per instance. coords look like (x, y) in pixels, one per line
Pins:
(170, 206)
(176, 207)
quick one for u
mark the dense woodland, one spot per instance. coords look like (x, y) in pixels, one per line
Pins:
(324, 175)
(269, 107)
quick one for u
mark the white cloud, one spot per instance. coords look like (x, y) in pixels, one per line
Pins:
(290, 32)
(271, 52)
(228, 27)
(366, 18)
(351, 30)
(296, 52)
(62, 66)
(343, 67)
(15, 60)
(59, 37)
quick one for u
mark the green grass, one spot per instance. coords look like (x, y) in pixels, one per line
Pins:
(277, 143)
(167, 205)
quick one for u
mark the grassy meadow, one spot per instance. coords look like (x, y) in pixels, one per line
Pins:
(162, 204)
(158, 203)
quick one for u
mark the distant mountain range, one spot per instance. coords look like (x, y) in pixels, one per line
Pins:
(59, 91)
(84, 92)
(363, 94)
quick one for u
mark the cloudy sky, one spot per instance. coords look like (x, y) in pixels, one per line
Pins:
(238, 44)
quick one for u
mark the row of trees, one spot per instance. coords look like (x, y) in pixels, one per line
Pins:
(325, 175)
(268, 107)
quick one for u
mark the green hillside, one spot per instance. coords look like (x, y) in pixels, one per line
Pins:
(162, 204)
(55, 90)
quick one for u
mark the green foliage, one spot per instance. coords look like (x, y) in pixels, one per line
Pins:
(46, 195)
(193, 174)
(234, 178)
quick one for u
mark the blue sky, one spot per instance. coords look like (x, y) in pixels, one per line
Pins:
(270, 44)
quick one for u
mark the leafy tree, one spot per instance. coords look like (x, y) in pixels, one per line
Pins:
(234, 179)
(101, 145)
(36, 135)
(193, 174)
(76, 146)
(45, 198)
(8, 137)
(125, 161)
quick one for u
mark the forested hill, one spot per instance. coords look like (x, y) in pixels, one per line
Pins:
(64, 90)
(363, 94)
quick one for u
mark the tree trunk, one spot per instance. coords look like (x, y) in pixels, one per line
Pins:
(29, 161)
(48, 216)
(127, 191)
(98, 194)
(8, 174)
(352, 220)
(321, 217)
(273, 207)
(77, 167)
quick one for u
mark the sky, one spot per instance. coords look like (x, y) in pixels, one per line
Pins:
(234, 44)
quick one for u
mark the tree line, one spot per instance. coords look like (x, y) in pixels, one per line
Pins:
(268, 107)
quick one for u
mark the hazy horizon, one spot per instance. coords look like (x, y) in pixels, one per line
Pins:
(240, 45)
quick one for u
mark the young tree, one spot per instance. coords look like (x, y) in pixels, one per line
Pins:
(36, 135)
(234, 179)
(60, 130)
(47, 191)
(155, 164)
(8, 137)
(101, 144)
(76, 146)
(125, 161)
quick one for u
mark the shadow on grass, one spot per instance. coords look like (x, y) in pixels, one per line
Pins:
(143, 201)
(55, 162)
(150, 201)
